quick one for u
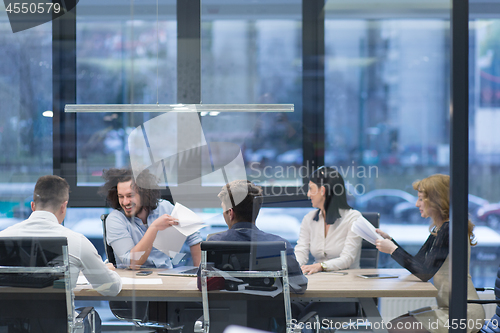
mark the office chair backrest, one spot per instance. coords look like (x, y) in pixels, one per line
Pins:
(244, 256)
(32, 251)
(34, 262)
(369, 253)
(107, 248)
(265, 260)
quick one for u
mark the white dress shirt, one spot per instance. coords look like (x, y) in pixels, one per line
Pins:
(83, 255)
(340, 249)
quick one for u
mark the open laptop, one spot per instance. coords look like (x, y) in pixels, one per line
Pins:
(180, 271)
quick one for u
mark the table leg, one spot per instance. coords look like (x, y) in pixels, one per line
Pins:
(373, 315)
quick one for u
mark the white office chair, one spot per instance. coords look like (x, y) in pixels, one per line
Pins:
(37, 262)
(263, 260)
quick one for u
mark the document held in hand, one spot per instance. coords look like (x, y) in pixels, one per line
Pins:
(170, 240)
(365, 230)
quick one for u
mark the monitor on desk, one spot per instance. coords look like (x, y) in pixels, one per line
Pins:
(30, 252)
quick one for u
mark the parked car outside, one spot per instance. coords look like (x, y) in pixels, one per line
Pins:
(384, 201)
(490, 214)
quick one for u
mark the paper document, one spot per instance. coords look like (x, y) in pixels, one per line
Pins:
(82, 280)
(189, 222)
(365, 230)
(185, 216)
(170, 240)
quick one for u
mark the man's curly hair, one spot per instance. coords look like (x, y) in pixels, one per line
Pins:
(149, 192)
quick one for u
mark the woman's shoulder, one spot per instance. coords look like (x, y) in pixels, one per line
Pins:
(349, 213)
(445, 228)
(311, 215)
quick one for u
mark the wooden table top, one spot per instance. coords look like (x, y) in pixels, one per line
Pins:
(321, 285)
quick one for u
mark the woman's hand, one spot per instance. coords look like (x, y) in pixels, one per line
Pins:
(311, 269)
(383, 234)
(385, 245)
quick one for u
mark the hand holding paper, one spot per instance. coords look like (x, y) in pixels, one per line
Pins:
(170, 240)
(365, 230)
(185, 216)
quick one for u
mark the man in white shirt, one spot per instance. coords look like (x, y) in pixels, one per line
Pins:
(50, 201)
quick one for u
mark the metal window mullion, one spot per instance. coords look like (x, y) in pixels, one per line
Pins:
(459, 154)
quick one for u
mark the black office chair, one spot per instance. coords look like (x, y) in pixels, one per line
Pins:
(38, 262)
(138, 313)
(110, 254)
(255, 263)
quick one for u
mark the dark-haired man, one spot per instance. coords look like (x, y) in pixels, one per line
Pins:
(138, 216)
(50, 201)
(241, 201)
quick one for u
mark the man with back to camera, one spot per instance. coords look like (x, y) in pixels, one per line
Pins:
(49, 205)
(241, 222)
(139, 213)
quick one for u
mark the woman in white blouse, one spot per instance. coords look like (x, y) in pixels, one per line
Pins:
(326, 232)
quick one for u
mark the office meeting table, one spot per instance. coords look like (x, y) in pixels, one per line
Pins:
(322, 287)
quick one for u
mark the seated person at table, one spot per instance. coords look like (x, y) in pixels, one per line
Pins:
(50, 200)
(138, 216)
(431, 261)
(240, 218)
(326, 232)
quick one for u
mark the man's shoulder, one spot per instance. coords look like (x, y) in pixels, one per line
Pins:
(265, 236)
(116, 215)
(219, 236)
(164, 207)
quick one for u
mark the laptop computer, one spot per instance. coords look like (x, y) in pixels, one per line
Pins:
(180, 271)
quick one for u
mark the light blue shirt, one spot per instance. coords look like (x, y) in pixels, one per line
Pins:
(123, 234)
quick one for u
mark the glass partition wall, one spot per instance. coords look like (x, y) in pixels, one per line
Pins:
(370, 85)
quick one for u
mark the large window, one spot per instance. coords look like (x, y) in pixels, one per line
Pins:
(484, 155)
(25, 116)
(123, 57)
(381, 87)
(256, 60)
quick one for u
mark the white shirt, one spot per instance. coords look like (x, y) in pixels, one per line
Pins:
(83, 255)
(340, 249)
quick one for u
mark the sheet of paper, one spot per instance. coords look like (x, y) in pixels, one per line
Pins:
(82, 280)
(169, 240)
(365, 230)
(185, 216)
(189, 222)
(190, 229)
(127, 280)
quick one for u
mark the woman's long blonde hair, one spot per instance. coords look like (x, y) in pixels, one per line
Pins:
(436, 193)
